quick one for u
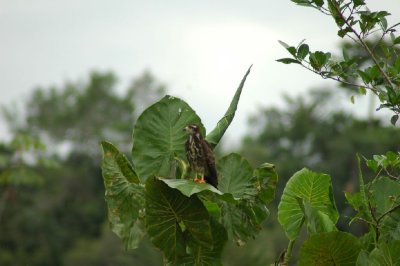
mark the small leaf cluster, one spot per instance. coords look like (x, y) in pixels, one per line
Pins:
(370, 32)
(155, 196)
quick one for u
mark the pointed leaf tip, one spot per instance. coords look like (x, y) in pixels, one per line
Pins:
(216, 134)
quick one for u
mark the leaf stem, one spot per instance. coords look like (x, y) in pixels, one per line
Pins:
(288, 254)
(388, 212)
(337, 78)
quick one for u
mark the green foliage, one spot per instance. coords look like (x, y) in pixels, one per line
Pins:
(79, 109)
(266, 180)
(236, 176)
(153, 199)
(307, 198)
(124, 196)
(52, 208)
(377, 202)
(189, 188)
(158, 137)
(307, 133)
(244, 219)
(385, 254)
(209, 255)
(188, 222)
(172, 217)
(331, 248)
(16, 169)
(381, 74)
(384, 194)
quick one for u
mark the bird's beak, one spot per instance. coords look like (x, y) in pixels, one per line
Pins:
(185, 129)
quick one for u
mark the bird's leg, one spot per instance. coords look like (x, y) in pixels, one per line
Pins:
(201, 180)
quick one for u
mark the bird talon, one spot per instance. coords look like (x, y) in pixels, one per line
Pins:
(199, 180)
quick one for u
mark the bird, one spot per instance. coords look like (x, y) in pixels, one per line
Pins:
(200, 156)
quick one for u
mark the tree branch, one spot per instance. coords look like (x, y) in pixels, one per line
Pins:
(388, 212)
(371, 54)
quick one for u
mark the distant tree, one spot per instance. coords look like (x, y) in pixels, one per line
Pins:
(76, 112)
(46, 212)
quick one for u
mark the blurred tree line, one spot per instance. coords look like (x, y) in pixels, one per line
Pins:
(52, 209)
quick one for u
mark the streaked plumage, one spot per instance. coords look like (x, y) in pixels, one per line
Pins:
(200, 156)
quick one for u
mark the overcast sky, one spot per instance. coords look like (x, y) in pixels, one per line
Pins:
(200, 49)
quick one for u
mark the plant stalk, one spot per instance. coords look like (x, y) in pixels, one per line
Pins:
(288, 254)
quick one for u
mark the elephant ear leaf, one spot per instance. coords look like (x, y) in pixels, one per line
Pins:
(172, 219)
(307, 194)
(331, 248)
(216, 134)
(124, 196)
(243, 219)
(211, 255)
(158, 137)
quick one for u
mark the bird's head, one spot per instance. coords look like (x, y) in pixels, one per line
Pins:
(192, 129)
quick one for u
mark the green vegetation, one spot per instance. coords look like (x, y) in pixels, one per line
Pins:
(337, 201)
(188, 222)
(377, 203)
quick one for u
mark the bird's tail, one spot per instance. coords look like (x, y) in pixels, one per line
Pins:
(212, 177)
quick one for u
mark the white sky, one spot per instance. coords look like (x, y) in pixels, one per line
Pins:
(200, 49)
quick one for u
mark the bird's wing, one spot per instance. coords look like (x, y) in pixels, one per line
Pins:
(210, 161)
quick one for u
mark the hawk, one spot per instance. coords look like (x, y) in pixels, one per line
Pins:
(200, 156)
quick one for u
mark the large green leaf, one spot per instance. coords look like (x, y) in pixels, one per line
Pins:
(158, 137)
(189, 187)
(305, 186)
(199, 256)
(385, 194)
(124, 196)
(385, 254)
(362, 259)
(216, 134)
(332, 248)
(172, 218)
(235, 176)
(242, 220)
